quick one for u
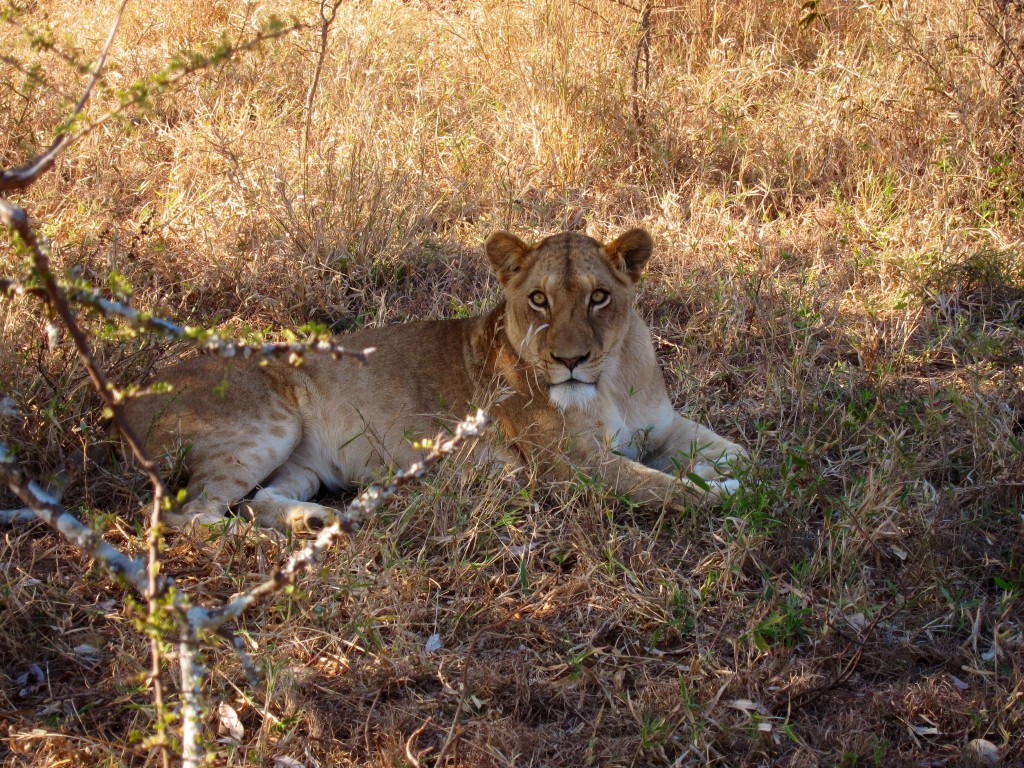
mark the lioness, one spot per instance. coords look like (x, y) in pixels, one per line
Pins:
(564, 362)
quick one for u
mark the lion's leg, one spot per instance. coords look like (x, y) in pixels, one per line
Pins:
(227, 464)
(283, 503)
(221, 475)
(685, 444)
(626, 477)
(645, 485)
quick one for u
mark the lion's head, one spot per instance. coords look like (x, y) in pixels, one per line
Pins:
(568, 301)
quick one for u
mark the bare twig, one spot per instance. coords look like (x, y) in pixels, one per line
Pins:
(154, 541)
(328, 12)
(251, 674)
(414, 760)
(16, 516)
(1006, 49)
(9, 288)
(451, 738)
(643, 54)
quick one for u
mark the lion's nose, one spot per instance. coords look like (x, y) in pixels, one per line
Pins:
(571, 362)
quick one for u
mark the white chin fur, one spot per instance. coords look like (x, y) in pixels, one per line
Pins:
(573, 395)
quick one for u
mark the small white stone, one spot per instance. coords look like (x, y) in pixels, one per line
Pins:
(433, 644)
(984, 752)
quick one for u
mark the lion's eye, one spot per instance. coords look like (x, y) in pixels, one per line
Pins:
(538, 300)
(599, 298)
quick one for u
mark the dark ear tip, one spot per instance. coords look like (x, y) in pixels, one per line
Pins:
(505, 252)
(501, 238)
(635, 240)
(638, 236)
(631, 250)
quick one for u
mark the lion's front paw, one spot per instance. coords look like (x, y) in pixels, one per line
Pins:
(733, 459)
(721, 467)
(192, 522)
(726, 487)
(711, 488)
(303, 518)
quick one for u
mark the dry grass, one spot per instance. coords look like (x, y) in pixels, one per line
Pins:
(839, 214)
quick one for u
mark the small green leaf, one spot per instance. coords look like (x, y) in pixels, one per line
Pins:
(699, 481)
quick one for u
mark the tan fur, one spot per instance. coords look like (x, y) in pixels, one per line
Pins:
(565, 362)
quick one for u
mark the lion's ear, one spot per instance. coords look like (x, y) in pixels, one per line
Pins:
(507, 254)
(630, 251)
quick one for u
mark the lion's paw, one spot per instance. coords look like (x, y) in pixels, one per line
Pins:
(727, 487)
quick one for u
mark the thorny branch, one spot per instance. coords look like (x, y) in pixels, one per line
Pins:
(197, 619)
(349, 522)
(213, 343)
(10, 517)
(134, 572)
(16, 218)
(131, 570)
(192, 674)
(204, 341)
(328, 13)
(21, 178)
(143, 577)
